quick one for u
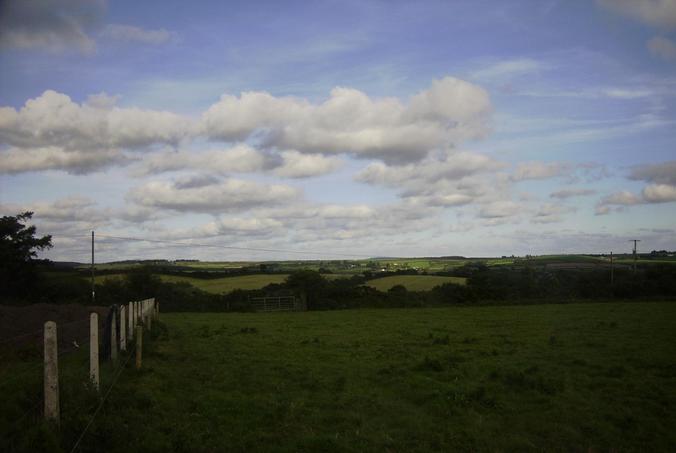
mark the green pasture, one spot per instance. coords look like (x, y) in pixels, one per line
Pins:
(413, 282)
(573, 377)
(227, 284)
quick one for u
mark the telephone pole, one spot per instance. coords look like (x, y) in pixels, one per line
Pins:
(93, 292)
(612, 273)
(635, 256)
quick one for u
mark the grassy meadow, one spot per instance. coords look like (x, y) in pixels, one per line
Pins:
(577, 377)
(413, 282)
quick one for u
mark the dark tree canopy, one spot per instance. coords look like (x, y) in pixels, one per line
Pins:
(18, 253)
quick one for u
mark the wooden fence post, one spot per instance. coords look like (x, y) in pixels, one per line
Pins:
(113, 337)
(130, 318)
(94, 349)
(51, 370)
(123, 325)
(139, 346)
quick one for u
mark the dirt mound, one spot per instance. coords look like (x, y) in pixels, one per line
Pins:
(21, 327)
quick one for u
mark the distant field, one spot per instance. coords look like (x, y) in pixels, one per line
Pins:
(413, 282)
(218, 285)
(570, 377)
(227, 284)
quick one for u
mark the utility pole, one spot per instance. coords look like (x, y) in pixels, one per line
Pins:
(635, 256)
(93, 292)
(612, 275)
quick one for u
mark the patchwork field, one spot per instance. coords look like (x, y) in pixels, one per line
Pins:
(413, 282)
(578, 377)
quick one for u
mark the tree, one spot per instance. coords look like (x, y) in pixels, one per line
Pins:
(18, 253)
(310, 283)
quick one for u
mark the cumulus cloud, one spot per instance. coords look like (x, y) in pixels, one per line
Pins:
(662, 173)
(51, 25)
(53, 119)
(659, 193)
(20, 160)
(349, 121)
(660, 13)
(297, 165)
(240, 158)
(444, 179)
(541, 170)
(53, 132)
(653, 193)
(211, 196)
(130, 33)
(624, 198)
(550, 213)
(572, 192)
(662, 48)
(662, 188)
(500, 209)
(434, 168)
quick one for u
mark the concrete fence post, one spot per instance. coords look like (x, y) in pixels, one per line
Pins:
(94, 349)
(123, 325)
(139, 346)
(113, 337)
(51, 370)
(130, 318)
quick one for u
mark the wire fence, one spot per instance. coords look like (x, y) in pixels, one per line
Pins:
(25, 392)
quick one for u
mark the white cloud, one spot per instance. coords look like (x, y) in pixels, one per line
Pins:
(51, 25)
(297, 165)
(624, 198)
(445, 166)
(449, 112)
(550, 213)
(541, 170)
(662, 173)
(53, 132)
(662, 48)
(20, 160)
(240, 158)
(500, 209)
(572, 192)
(662, 190)
(661, 13)
(507, 69)
(211, 196)
(53, 119)
(130, 33)
(659, 193)
(444, 179)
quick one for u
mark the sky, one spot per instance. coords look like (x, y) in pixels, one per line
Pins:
(263, 130)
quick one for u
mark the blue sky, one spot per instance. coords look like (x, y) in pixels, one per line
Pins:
(475, 128)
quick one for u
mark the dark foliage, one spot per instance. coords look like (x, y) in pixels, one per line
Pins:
(18, 255)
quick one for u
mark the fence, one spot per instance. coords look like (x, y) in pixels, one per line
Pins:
(277, 303)
(121, 337)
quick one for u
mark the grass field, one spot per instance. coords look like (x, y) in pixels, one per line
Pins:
(413, 282)
(578, 377)
(227, 284)
(217, 285)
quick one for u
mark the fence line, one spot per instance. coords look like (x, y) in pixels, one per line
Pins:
(119, 370)
(117, 329)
